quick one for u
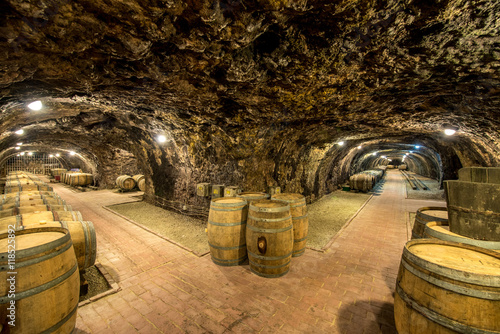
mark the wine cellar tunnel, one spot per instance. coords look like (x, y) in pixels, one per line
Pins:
(200, 98)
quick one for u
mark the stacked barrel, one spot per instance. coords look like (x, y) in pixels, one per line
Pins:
(128, 183)
(269, 232)
(73, 178)
(449, 277)
(52, 246)
(366, 180)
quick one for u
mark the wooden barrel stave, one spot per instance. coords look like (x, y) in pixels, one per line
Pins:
(425, 215)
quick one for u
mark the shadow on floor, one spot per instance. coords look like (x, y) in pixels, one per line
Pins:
(366, 316)
(379, 188)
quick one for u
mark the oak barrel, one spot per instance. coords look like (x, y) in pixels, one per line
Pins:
(300, 221)
(47, 282)
(474, 209)
(125, 182)
(226, 230)
(80, 179)
(441, 231)
(269, 237)
(425, 215)
(250, 196)
(447, 287)
(142, 184)
(362, 182)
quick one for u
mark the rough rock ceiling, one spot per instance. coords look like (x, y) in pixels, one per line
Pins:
(230, 82)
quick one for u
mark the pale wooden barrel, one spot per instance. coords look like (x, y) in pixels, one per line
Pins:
(361, 182)
(226, 230)
(137, 178)
(142, 184)
(447, 287)
(441, 231)
(251, 196)
(298, 210)
(427, 214)
(80, 179)
(474, 209)
(47, 281)
(125, 182)
(269, 237)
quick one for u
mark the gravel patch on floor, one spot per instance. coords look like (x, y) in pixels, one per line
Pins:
(326, 218)
(433, 193)
(96, 281)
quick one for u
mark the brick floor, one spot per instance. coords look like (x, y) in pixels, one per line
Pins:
(166, 289)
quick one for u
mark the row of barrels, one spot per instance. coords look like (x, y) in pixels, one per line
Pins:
(127, 182)
(449, 277)
(366, 180)
(53, 247)
(73, 178)
(269, 232)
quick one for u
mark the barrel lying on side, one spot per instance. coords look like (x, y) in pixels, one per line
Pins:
(47, 285)
(361, 182)
(226, 230)
(125, 182)
(269, 236)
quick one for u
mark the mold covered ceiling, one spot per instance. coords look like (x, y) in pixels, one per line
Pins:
(252, 93)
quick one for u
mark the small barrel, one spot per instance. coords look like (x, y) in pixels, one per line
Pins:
(441, 231)
(425, 215)
(300, 221)
(252, 196)
(447, 287)
(226, 230)
(269, 237)
(82, 234)
(125, 182)
(46, 279)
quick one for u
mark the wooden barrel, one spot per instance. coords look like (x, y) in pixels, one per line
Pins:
(425, 215)
(226, 230)
(46, 280)
(137, 178)
(82, 234)
(8, 212)
(142, 184)
(57, 171)
(125, 182)
(300, 221)
(441, 231)
(269, 237)
(361, 182)
(18, 203)
(252, 196)
(474, 209)
(447, 287)
(40, 216)
(480, 174)
(30, 194)
(80, 179)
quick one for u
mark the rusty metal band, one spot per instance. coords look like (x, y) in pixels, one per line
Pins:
(227, 248)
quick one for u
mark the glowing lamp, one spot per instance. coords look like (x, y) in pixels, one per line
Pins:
(449, 132)
(37, 105)
(341, 143)
(161, 139)
(19, 132)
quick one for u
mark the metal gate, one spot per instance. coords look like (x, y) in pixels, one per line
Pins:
(36, 163)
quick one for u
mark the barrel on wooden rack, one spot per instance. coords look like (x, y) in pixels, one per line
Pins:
(47, 280)
(300, 221)
(125, 182)
(361, 182)
(250, 196)
(474, 209)
(80, 179)
(425, 215)
(226, 230)
(447, 287)
(269, 236)
(441, 231)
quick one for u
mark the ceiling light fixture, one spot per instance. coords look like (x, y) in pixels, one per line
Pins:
(19, 144)
(30, 153)
(359, 147)
(23, 153)
(449, 132)
(18, 148)
(341, 143)
(58, 155)
(19, 132)
(37, 105)
(374, 153)
(417, 147)
(72, 153)
(51, 155)
(161, 139)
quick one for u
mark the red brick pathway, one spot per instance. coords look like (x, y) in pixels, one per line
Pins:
(165, 289)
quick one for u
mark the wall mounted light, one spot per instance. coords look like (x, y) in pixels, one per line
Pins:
(30, 153)
(23, 153)
(19, 144)
(374, 153)
(417, 147)
(449, 132)
(18, 148)
(51, 155)
(341, 143)
(19, 132)
(58, 155)
(72, 153)
(161, 138)
(359, 147)
(37, 105)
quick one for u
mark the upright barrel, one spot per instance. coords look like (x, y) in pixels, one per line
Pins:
(47, 282)
(447, 287)
(269, 236)
(250, 196)
(300, 221)
(226, 230)
(441, 231)
(427, 214)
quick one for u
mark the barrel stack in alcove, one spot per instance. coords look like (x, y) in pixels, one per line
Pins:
(449, 280)
(50, 239)
(250, 225)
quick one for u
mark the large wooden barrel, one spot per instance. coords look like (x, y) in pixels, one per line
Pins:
(300, 221)
(441, 231)
(137, 178)
(8, 212)
(447, 287)
(80, 179)
(40, 216)
(142, 184)
(82, 234)
(474, 209)
(125, 182)
(425, 215)
(47, 282)
(362, 182)
(250, 196)
(57, 171)
(269, 237)
(226, 230)
(480, 174)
